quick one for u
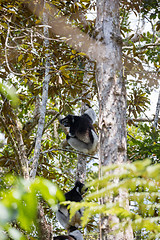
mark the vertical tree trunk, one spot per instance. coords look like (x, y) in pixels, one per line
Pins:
(45, 229)
(112, 98)
(81, 168)
(110, 82)
(44, 97)
(82, 160)
(155, 124)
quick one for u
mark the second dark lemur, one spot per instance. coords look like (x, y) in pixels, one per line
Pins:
(74, 234)
(82, 135)
(63, 215)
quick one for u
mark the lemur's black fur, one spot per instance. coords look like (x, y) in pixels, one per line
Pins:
(63, 215)
(82, 135)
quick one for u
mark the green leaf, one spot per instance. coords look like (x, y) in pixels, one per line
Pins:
(73, 51)
(82, 54)
(20, 57)
(63, 67)
(15, 234)
(10, 94)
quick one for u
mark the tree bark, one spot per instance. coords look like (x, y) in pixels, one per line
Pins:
(45, 229)
(17, 144)
(156, 118)
(44, 98)
(112, 101)
(82, 159)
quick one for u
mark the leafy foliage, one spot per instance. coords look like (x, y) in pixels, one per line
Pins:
(143, 142)
(137, 102)
(10, 94)
(22, 60)
(19, 205)
(23, 67)
(141, 180)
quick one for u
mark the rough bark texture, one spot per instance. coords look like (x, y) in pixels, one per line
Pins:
(81, 168)
(18, 145)
(81, 164)
(111, 88)
(156, 118)
(44, 100)
(22, 151)
(112, 100)
(82, 160)
(45, 229)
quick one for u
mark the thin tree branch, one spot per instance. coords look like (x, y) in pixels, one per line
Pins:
(140, 119)
(22, 151)
(6, 57)
(15, 138)
(18, 147)
(44, 101)
(50, 112)
(153, 30)
(34, 120)
(37, 34)
(131, 136)
(68, 150)
(149, 45)
(60, 26)
(17, 141)
(157, 113)
(52, 120)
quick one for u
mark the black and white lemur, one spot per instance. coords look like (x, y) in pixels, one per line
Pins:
(74, 234)
(63, 214)
(82, 135)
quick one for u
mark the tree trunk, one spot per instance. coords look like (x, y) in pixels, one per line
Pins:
(81, 164)
(112, 100)
(45, 229)
(156, 118)
(82, 159)
(44, 97)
